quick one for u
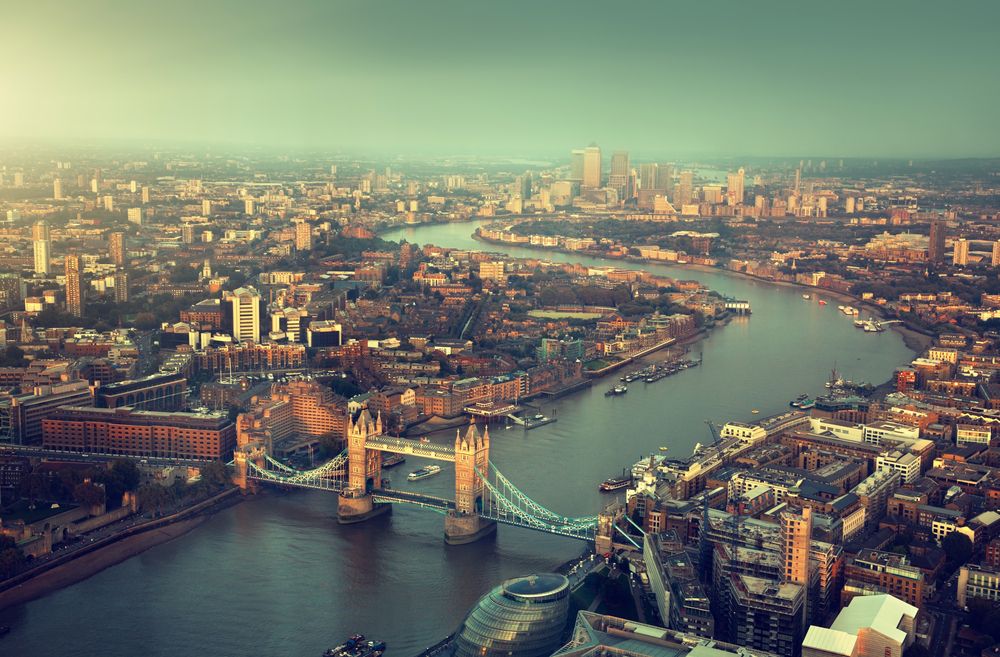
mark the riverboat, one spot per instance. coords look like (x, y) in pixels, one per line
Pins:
(424, 473)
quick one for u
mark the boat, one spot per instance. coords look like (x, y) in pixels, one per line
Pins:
(392, 460)
(619, 389)
(356, 646)
(616, 483)
(806, 404)
(423, 473)
(664, 449)
(806, 296)
(822, 302)
(754, 411)
(537, 421)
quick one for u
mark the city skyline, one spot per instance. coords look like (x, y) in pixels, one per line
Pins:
(453, 78)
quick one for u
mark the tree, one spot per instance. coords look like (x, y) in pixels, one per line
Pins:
(153, 497)
(13, 356)
(184, 274)
(215, 474)
(128, 472)
(88, 494)
(957, 547)
(145, 321)
(11, 557)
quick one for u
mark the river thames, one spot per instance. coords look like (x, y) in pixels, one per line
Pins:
(278, 576)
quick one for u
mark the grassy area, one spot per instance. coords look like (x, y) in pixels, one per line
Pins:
(557, 314)
(21, 511)
(597, 364)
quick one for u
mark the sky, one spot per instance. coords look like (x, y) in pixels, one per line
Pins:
(879, 78)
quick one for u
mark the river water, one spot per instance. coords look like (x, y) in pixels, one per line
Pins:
(278, 576)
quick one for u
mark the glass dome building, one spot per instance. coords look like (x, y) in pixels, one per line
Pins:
(523, 617)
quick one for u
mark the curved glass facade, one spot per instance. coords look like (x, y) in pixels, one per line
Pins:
(523, 617)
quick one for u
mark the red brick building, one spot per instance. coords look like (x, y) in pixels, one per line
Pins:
(139, 433)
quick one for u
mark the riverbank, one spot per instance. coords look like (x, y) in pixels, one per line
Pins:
(110, 551)
(915, 338)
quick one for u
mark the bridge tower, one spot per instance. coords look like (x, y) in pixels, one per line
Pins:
(604, 541)
(241, 457)
(472, 454)
(364, 472)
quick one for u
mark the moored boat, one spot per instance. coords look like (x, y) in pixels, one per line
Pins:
(356, 646)
(616, 483)
(392, 460)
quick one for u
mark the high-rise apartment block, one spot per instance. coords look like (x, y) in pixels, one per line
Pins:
(960, 256)
(116, 246)
(42, 246)
(935, 247)
(74, 288)
(121, 286)
(303, 236)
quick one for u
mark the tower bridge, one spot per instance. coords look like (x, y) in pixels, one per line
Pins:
(483, 495)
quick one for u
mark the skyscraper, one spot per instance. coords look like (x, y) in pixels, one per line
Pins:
(648, 176)
(116, 244)
(961, 254)
(145, 195)
(685, 188)
(592, 167)
(665, 177)
(57, 189)
(995, 259)
(74, 291)
(246, 313)
(734, 189)
(522, 186)
(576, 165)
(618, 180)
(41, 243)
(935, 246)
(135, 216)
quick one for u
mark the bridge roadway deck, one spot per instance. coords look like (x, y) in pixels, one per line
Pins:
(392, 495)
(411, 447)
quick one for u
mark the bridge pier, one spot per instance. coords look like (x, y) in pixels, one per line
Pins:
(463, 528)
(353, 508)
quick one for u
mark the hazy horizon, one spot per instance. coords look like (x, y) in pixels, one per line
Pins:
(712, 79)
